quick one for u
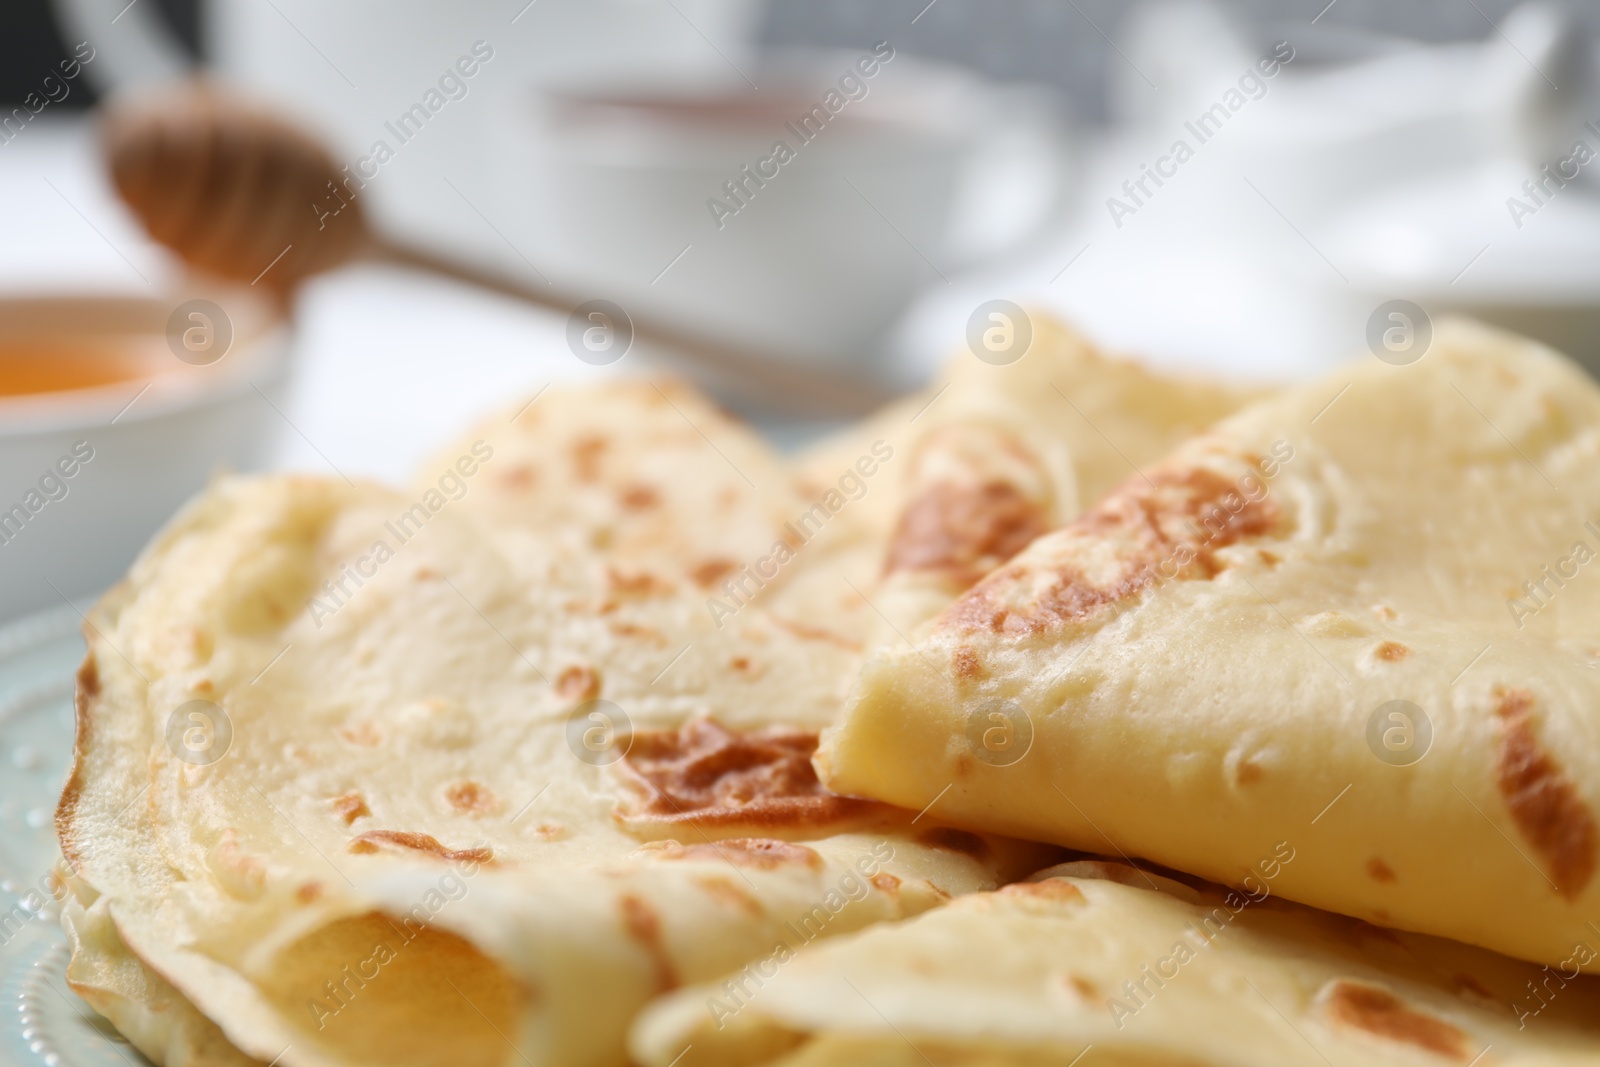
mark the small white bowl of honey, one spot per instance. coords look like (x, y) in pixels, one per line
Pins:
(114, 410)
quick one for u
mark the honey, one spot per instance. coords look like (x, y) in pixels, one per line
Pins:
(40, 365)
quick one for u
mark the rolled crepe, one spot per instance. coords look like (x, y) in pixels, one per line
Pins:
(1355, 617)
(1100, 963)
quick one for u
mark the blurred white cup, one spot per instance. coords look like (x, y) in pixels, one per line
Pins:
(802, 217)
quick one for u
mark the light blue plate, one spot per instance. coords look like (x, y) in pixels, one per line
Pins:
(43, 1022)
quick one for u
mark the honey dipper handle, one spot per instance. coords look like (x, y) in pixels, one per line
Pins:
(788, 385)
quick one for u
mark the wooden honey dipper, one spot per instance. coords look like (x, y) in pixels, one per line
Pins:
(228, 186)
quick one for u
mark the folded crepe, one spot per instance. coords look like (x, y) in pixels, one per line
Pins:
(991, 456)
(1101, 963)
(364, 778)
(1353, 617)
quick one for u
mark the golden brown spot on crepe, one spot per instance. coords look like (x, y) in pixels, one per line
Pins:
(640, 497)
(550, 831)
(204, 686)
(425, 574)
(632, 629)
(1465, 981)
(636, 583)
(885, 882)
(1392, 652)
(762, 853)
(1385, 612)
(1170, 527)
(642, 922)
(202, 645)
(470, 798)
(964, 531)
(519, 477)
(578, 683)
(88, 678)
(1083, 987)
(308, 892)
(351, 806)
(1056, 889)
(729, 893)
(952, 840)
(376, 840)
(1376, 1011)
(86, 688)
(817, 633)
(742, 665)
(1271, 559)
(1380, 871)
(586, 453)
(709, 572)
(644, 926)
(1247, 772)
(705, 774)
(1543, 801)
(965, 662)
(363, 733)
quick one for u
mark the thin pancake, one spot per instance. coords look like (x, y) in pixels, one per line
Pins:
(1261, 637)
(424, 839)
(1100, 963)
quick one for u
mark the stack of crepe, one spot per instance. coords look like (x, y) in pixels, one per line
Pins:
(522, 764)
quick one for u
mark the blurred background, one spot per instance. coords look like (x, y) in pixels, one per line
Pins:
(1242, 188)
